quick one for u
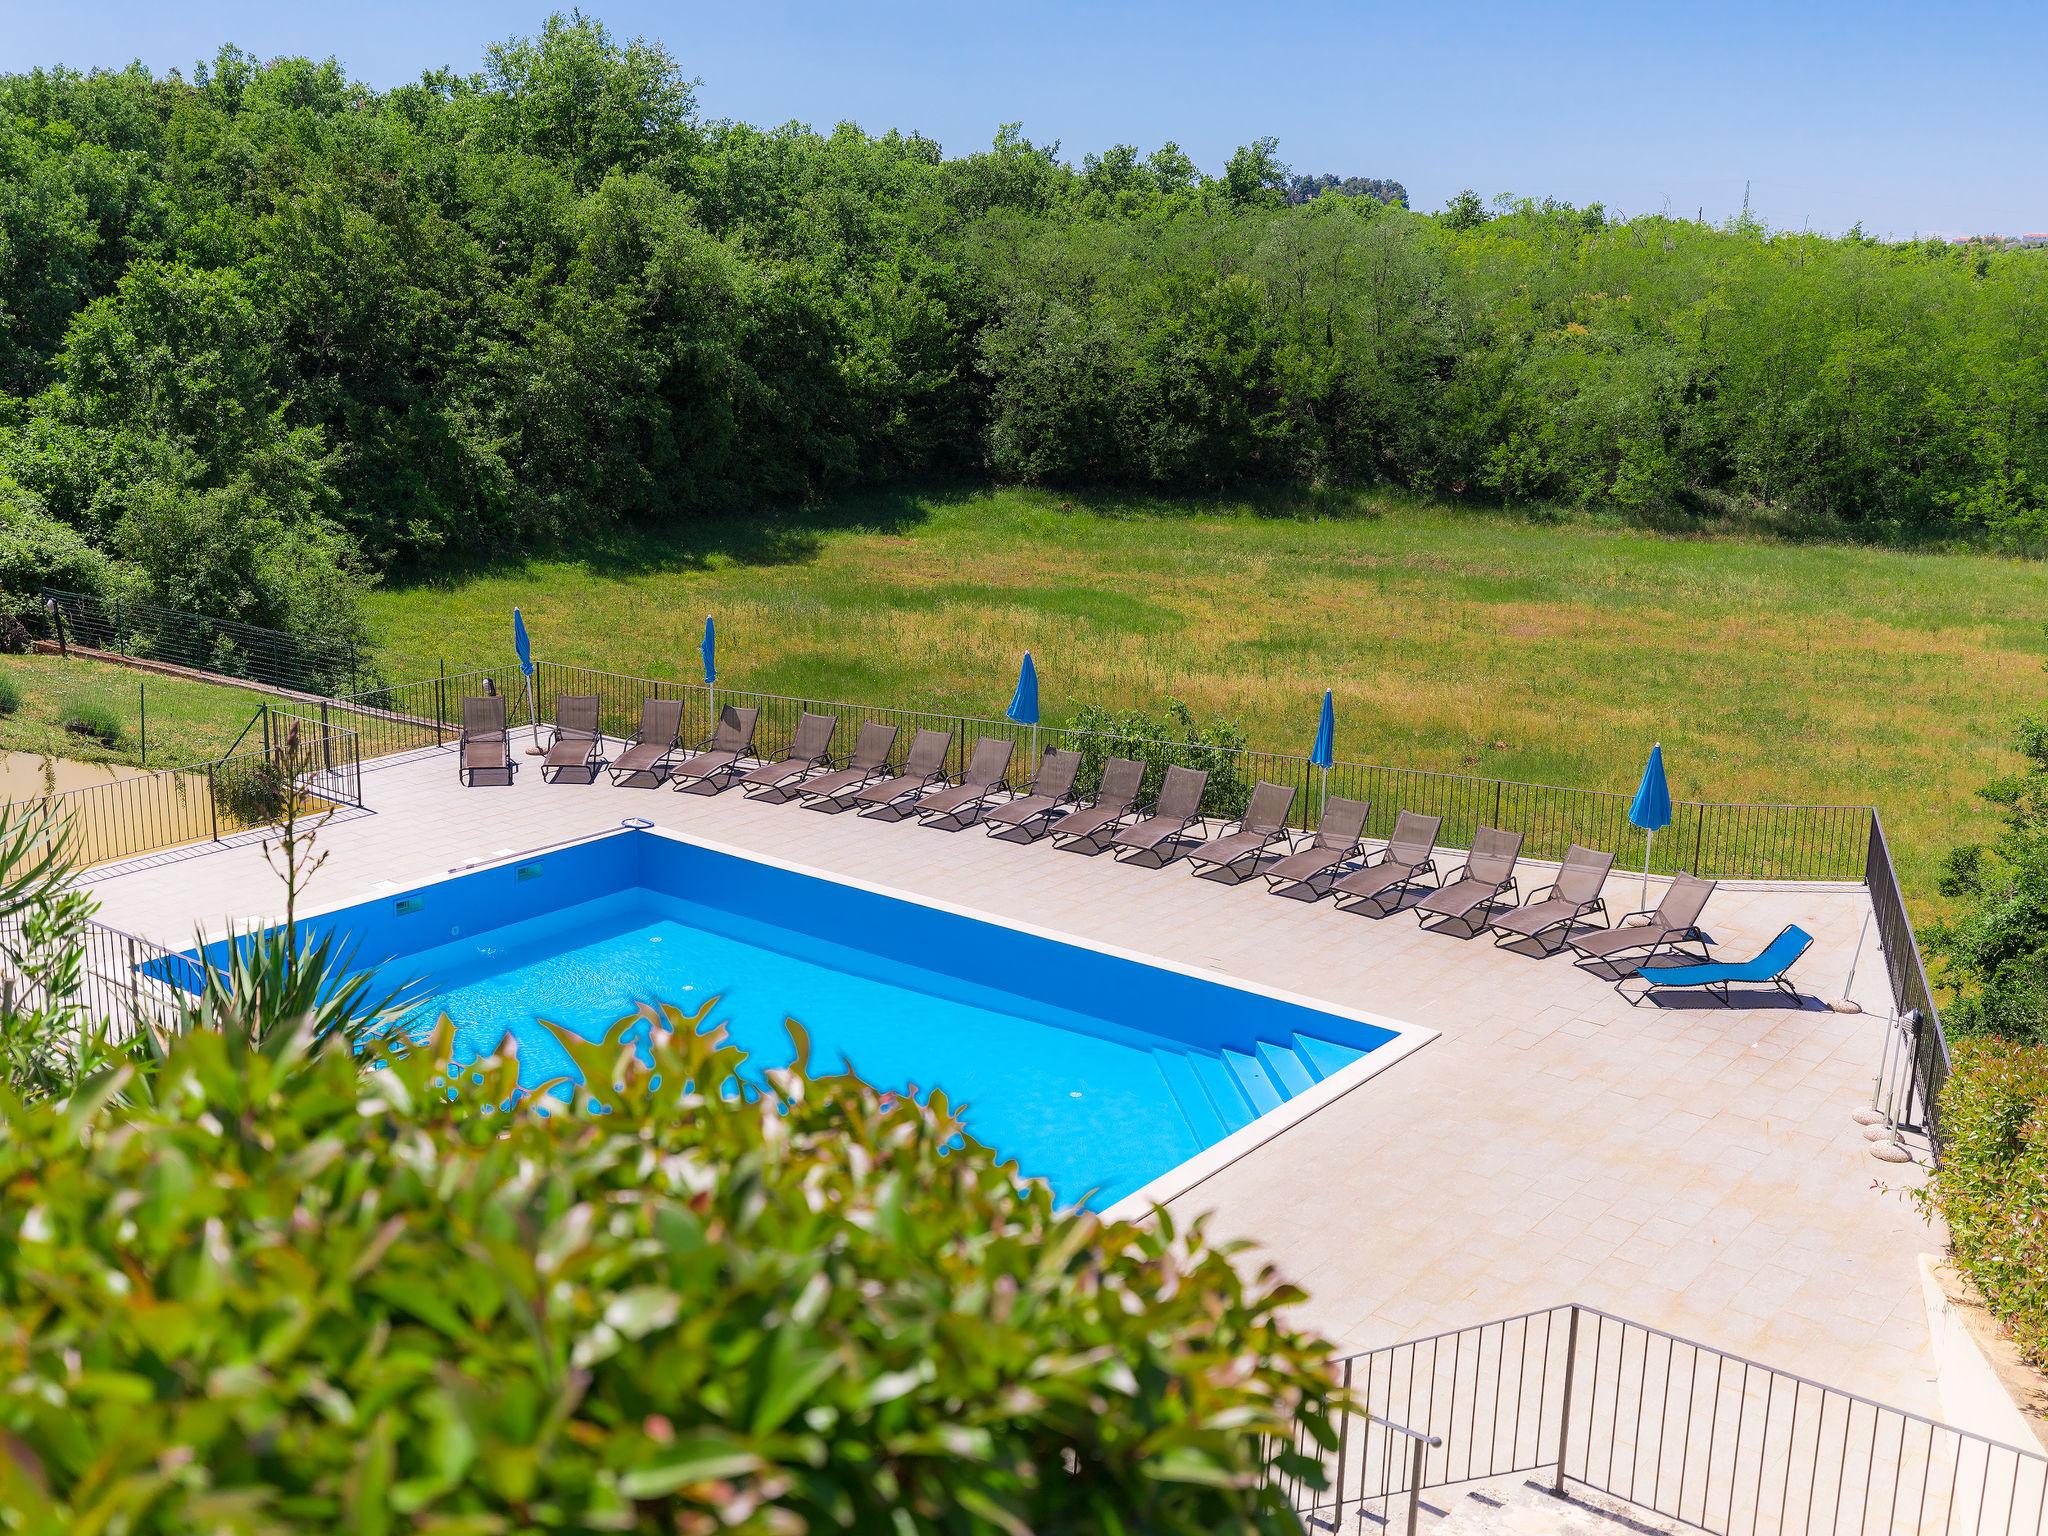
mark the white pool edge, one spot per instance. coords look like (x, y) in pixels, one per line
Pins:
(1168, 1186)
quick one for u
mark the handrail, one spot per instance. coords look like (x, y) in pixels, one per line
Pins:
(1911, 1097)
(1699, 1435)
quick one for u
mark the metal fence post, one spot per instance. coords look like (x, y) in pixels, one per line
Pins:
(212, 803)
(1564, 1414)
(1344, 1437)
(1415, 1482)
(1699, 839)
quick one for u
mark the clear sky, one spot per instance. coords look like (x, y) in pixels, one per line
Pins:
(1921, 118)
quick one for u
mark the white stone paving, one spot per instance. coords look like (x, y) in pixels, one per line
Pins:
(1692, 1166)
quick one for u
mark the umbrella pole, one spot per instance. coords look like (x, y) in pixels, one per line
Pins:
(1323, 804)
(1649, 837)
(532, 714)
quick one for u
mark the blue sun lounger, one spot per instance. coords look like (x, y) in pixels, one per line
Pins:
(1768, 968)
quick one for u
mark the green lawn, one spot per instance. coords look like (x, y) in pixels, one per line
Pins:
(1454, 640)
(188, 722)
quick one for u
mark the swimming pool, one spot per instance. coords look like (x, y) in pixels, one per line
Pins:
(1096, 1070)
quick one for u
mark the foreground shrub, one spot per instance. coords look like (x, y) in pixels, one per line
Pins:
(1992, 1185)
(271, 1292)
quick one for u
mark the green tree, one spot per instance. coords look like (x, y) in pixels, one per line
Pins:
(1254, 176)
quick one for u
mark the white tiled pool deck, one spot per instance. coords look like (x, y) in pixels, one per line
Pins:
(1693, 1167)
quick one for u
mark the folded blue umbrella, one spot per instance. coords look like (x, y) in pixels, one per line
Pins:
(709, 650)
(1024, 702)
(1324, 752)
(520, 643)
(1651, 808)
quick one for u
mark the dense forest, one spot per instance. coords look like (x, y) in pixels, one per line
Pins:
(266, 332)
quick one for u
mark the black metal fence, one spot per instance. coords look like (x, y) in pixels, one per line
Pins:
(1717, 840)
(405, 717)
(1692, 1433)
(117, 985)
(1914, 1094)
(131, 627)
(168, 807)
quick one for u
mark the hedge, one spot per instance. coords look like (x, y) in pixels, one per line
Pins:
(1991, 1186)
(256, 1288)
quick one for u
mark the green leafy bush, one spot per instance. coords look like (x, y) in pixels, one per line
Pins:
(1173, 739)
(1991, 1186)
(1994, 947)
(258, 1288)
(94, 721)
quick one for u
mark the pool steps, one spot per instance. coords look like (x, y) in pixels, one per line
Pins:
(1220, 1092)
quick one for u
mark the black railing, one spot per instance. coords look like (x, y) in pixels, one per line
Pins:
(1692, 1433)
(168, 807)
(118, 985)
(1910, 1095)
(404, 717)
(1716, 840)
(131, 627)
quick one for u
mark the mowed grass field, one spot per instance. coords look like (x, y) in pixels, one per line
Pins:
(1475, 643)
(188, 722)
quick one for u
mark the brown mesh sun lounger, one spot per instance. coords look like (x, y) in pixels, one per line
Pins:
(810, 748)
(1335, 840)
(484, 747)
(1091, 825)
(923, 767)
(655, 744)
(869, 762)
(1388, 875)
(1264, 824)
(1673, 922)
(578, 743)
(1159, 835)
(1487, 874)
(1051, 792)
(717, 763)
(1574, 895)
(958, 804)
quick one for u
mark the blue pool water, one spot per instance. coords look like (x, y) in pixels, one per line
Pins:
(1095, 1072)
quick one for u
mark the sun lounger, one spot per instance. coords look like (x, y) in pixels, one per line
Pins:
(1556, 907)
(717, 762)
(923, 767)
(1091, 826)
(1487, 874)
(1671, 923)
(1387, 875)
(810, 749)
(654, 745)
(1238, 851)
(1334, 841)
(1767, 968)
(577, 741)
(870, 760)
(960, 803)
(1051, 792)
(484, 746)
(1159, 836)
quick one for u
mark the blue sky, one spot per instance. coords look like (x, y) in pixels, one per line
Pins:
(1921, 118)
